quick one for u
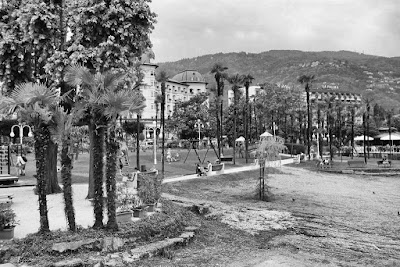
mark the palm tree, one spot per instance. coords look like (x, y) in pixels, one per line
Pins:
(219, 75)
(92, 87)
(162, 78)
(306, 80)
(236, 81)
(63, 130)
(247, 79)
(113, 103)
(34, 104)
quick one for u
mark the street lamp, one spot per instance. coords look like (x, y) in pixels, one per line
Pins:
(199, 125)
(21, 131)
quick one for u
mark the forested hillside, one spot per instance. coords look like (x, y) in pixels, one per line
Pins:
(372, 76)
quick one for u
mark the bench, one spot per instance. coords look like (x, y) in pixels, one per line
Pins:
(324, 163)
(386, 163)
(6, 198)
(226, 159)
(215, 169)
(356, 163)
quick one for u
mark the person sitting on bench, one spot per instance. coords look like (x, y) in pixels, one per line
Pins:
(200, 170)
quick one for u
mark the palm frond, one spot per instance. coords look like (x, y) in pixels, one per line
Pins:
(78, 75)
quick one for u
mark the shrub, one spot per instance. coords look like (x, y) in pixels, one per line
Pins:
(295, 149)
(7, 216)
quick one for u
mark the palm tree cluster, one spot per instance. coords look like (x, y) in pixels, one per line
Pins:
(101, 99)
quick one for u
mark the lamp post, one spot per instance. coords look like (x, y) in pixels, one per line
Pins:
(154, 140)
(21, 131)
(199, 125)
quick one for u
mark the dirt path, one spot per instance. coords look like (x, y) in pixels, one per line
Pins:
(339, 220)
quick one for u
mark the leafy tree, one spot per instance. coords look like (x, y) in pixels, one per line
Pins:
(130, 127)
(186, 115)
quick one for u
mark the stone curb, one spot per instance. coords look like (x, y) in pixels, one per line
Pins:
(127, 257)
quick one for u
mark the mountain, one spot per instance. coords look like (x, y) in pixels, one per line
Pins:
(371, 76)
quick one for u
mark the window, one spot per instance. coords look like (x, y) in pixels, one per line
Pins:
(191, 90)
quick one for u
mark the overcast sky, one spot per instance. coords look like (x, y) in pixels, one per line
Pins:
(190, 28)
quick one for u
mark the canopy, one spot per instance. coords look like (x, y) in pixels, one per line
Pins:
(393, 136)
(361, 138)
(240, 139)
(266, 134)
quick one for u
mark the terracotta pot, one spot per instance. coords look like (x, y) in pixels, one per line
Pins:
(124, 216)
(7, 233)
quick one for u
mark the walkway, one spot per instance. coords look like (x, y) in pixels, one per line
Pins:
(25, 204)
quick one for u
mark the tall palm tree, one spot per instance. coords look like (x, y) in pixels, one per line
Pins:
(236, 81)
(162, 78)
(92, 88)
(306, 80)
(34, 104)
(63, 132)
(219, 75)
(247, 79)
(113, 103)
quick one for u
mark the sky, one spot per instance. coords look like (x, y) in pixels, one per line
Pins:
(191, 28)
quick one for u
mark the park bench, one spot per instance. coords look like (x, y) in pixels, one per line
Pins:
(6, 198)
(215, 169)
(356, 163)
(226, 159)
(386, 163)
(324, 163)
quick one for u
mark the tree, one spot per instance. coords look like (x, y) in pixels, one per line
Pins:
(247, 79)
(63, 132)
(306, 80)
(162, 78)
(34, 104)
(219, 75)
(92, 90)
(187, 113)
(236, 81)
(113, 103)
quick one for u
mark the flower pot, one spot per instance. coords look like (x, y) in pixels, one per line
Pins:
(124, 216)
(7, 233)
(150, 207)
(140, 212)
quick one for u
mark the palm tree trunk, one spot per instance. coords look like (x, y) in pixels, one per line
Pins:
(111, 170)
(52, 186)
(66, 163)
(234, 127)
(90, 194)
(42, 137)
(308, 122)
(246, 126)
(98, 152)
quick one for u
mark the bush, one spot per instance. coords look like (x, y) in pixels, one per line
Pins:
(295, 149)
(7, 216)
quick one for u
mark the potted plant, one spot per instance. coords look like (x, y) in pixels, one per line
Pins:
(125, 200)
(147, 191)
(7, 221)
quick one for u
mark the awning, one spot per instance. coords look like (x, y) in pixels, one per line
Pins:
(361, 138)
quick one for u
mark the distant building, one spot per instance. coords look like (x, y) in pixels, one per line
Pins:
(181, 86)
